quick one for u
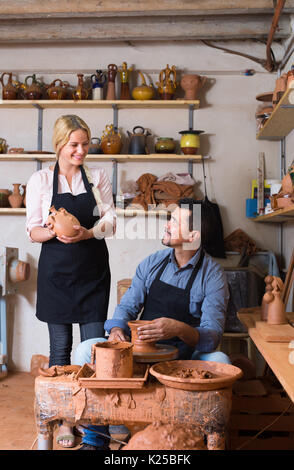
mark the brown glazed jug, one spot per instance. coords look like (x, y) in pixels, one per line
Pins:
(34, 90)
(80, 93)
(62, 222)
(57, 92)
(9, 91)
(15, 199)
(111, 142)
(112, 71)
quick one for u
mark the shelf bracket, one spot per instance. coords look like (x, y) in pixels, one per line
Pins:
(115, 116)
(114, 178)
(191, 116)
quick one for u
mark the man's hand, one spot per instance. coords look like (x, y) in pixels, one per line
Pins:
(117, 334)
(159, 329)
(166, 328)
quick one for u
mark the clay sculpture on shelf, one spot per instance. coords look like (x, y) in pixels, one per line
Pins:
(276, 308)
(285, 196)
(15, 199)
(264, 305)
(62, 222)
(191, 84)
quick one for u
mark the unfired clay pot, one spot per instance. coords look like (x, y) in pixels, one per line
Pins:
(264, 305)
(114, 359)
(276, 308)
(15, 199)
(62, 222)
(141, 345)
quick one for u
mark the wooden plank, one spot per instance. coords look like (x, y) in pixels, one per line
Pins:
(88, 104)
(110, 7)
(270, 404)
(278, 216)
(256, 422)
(275, 333)
(140, 28)
(11, 211)
(104, 158)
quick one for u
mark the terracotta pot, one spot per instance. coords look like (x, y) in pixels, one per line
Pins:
(112, 71)
(15, 199)
(284, 202)
(62, 222)
(141, 345)
(113, 359)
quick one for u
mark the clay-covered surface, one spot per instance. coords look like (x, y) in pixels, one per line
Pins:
(159, 436)
(196, 375)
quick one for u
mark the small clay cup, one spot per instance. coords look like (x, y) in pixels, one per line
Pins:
(114, 359)
(141, 346)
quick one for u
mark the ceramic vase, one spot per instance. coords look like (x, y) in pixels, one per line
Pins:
(191, 85)
(142, 346)
(15, 199)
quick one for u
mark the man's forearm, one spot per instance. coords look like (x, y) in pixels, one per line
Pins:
(188, 334)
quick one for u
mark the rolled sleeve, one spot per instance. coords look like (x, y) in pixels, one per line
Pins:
(33, 204)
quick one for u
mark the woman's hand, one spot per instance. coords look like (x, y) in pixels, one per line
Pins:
(82, 234)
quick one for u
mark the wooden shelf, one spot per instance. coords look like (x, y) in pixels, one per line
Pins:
(104, 158)
(88, 104)
(11, 211)
(281, 121)
(281, 215)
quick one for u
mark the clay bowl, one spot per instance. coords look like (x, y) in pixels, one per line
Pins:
(223, 375)
(139, 345)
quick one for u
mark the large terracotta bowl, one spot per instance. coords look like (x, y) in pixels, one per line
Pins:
(223, 375)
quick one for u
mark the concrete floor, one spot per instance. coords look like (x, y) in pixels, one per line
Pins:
(17, 422)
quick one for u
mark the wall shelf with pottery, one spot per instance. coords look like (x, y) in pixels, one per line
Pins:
(104, 158)
(281, 121)
(280, 215)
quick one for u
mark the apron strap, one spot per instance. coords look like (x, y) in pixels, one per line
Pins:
(195, 271)
(55, 180)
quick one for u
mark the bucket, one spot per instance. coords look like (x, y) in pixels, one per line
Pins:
(113, 359)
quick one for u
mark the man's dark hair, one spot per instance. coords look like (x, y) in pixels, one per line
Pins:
(207, 218)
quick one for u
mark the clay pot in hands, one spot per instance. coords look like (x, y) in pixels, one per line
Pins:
(114, 359)
(62, 222)
(191, 84)
(142, 346)
(15, 199)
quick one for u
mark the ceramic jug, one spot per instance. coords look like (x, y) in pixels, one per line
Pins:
(80, 93)
(124, 80)
(112, 71)
(98, 80)
(34, 90)
(94, 148)
(9, 91)
(57, 92)
(15, 199)
(191, 84)
(111, 142)
(137, 144)
(62, 222)
(143, 92)
(3, 146)
(167, 85)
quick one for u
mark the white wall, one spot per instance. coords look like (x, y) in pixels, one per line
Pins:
(227, 115)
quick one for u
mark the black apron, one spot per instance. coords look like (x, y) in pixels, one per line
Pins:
(73, 279)
(165, 300)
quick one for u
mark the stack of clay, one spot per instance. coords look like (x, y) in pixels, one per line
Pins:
(273, 308)
(285, 196)
(158, 436)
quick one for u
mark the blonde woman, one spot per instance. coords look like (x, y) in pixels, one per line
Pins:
(73, 273)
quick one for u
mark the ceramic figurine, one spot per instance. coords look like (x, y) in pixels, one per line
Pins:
(191, 85)
(167, 85)
(62, 222)
(112, 71)
(268, 289)
(276, 309)
(143, 92)
(124, 79)
(80, 93)
(98, 80)
(111, 141)
(9, 91)
(15, 199)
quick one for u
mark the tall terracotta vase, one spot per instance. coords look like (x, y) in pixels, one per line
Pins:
(112, 71)
(15, 199)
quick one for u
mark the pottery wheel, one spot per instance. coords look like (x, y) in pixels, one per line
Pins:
(164, 352)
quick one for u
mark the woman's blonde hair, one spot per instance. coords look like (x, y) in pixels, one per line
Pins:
(63, 127)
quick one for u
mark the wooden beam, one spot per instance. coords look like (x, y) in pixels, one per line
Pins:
(74, 8)
(144, 28)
